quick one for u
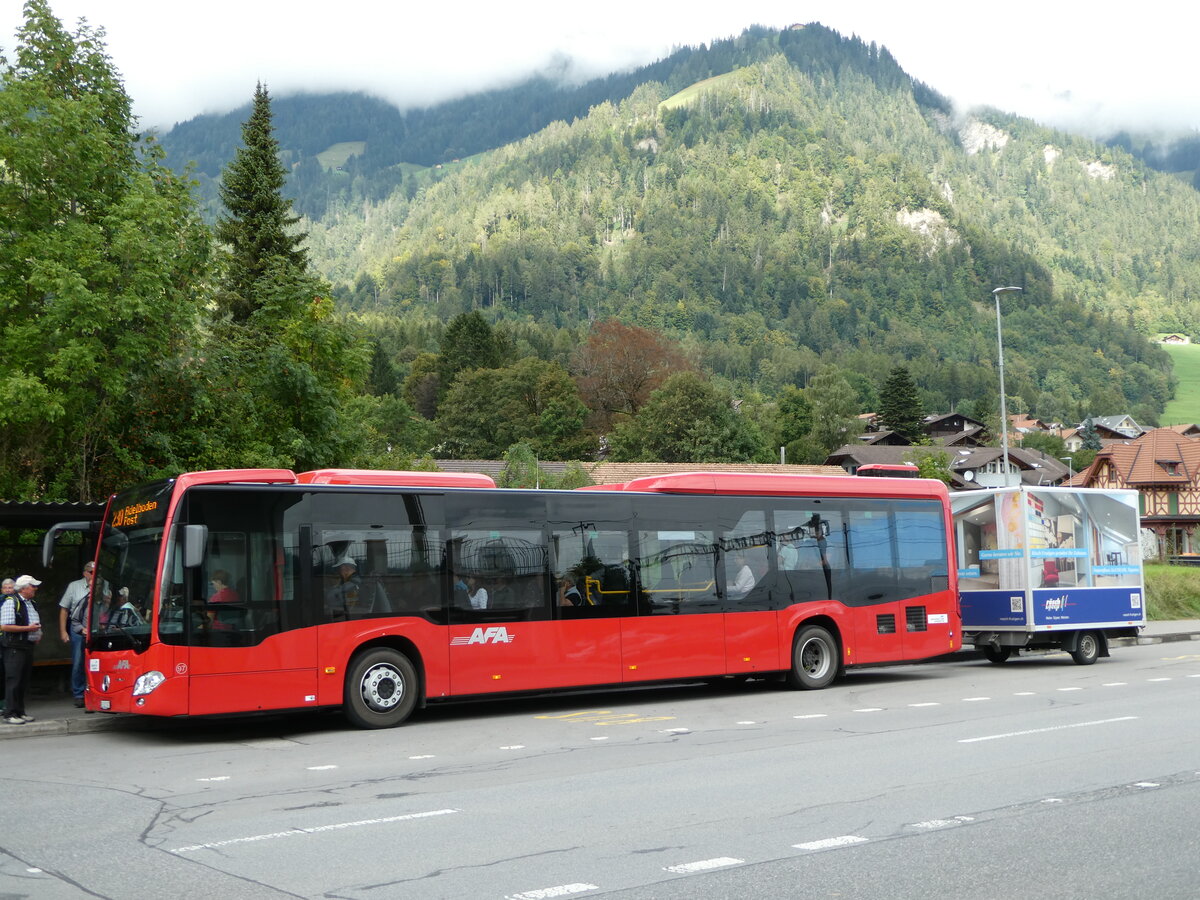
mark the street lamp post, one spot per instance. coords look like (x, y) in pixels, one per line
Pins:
(1003, 409)
(1070, 461)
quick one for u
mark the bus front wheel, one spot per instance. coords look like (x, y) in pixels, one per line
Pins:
(815, 659)
(381, 689)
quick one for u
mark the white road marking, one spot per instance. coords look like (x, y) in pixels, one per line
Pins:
(316, 829)
(1158, 679)
(974, 699)
(870, 709)
(1052, 800)
(828, 843)
(562, 890)
(1025, 694)
(918, 705)
(599, 739)
(747, 723)
(1146, 784)
(423, 756)
(513, 747)
(996, 737)
(1069, 689)
(320, 768)
(215, 778)
(1115, 684)
(675, 731)
(704, 865)
(812, 716)
(943, 823)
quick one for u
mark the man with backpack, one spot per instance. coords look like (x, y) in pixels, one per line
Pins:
(72, 614)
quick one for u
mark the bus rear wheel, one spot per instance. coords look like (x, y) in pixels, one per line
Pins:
(381, 689)
(815, 658)
(1087, 650)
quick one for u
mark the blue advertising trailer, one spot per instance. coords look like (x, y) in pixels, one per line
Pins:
(1048, 568)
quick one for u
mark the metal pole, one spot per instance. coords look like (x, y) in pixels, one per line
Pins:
(1003, 408)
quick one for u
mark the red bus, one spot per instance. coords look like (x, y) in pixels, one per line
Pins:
(251, 590)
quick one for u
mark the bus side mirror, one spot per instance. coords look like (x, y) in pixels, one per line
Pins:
(195, 541)
(55, 532)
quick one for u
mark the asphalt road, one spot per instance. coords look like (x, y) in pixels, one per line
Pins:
(941, 780)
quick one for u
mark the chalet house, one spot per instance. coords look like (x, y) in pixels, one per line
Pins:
(972, 467)
(885, 439)
(955, 428)
(1163, 466)
(1106, 430)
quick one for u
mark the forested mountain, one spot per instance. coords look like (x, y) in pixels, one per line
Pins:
(777, 203)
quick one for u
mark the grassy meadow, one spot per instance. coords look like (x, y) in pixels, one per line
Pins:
(1172, 592)
(1185, 408)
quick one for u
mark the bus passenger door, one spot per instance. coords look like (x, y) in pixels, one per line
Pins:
(679, 631)
(249, 646)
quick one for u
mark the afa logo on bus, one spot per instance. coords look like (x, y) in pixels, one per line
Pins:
(491, 635)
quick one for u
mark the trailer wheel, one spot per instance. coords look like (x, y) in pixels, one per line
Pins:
(815, 658)
(381, 689)
(996, 654)
(1087, 650)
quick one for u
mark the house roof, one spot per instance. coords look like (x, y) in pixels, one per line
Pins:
(1160, 456)
(894, 438)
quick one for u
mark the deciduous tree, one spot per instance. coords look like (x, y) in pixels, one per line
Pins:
(618, 366)
(688, 419)
(102, 268)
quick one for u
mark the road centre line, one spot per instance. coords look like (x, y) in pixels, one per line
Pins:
(844, 840)
(704, 865)
(996, 737)
(562, 890)
(316, 829)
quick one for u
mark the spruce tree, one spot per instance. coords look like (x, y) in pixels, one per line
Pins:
(259, 229)
(900, 408)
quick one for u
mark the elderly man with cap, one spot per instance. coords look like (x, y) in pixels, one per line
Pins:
(21, 628)
(72, 614)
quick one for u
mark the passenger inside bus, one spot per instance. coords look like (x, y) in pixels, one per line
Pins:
(568, 592)
(352, 595)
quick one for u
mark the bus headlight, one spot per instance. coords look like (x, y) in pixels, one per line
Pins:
(147, 683)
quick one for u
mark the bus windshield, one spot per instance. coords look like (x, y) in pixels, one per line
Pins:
(129, 552)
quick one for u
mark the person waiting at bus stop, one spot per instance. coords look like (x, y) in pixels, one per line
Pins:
(22, 629)
(72, 611)
(8, 588)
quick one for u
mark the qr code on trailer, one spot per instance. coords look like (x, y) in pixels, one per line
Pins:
(1016, 604)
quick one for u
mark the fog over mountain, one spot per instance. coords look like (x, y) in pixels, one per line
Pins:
(1078, 68)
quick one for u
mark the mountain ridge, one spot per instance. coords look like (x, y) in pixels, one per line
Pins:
(770, 224)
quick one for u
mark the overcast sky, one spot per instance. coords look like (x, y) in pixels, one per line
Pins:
(1079, 66)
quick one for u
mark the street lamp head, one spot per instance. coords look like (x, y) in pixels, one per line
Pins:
(1006, 290)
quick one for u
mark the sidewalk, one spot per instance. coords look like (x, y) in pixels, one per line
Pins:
(55, 713)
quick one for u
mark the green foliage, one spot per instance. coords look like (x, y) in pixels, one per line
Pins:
(900, 407)
(931, 463)
(258, 228)
(486, 411)
(468, 343)
(688, 419)
(102, 269)
(834, 412)
(1050, 444)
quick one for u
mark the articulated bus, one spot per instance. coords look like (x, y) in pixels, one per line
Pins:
(377, 592)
